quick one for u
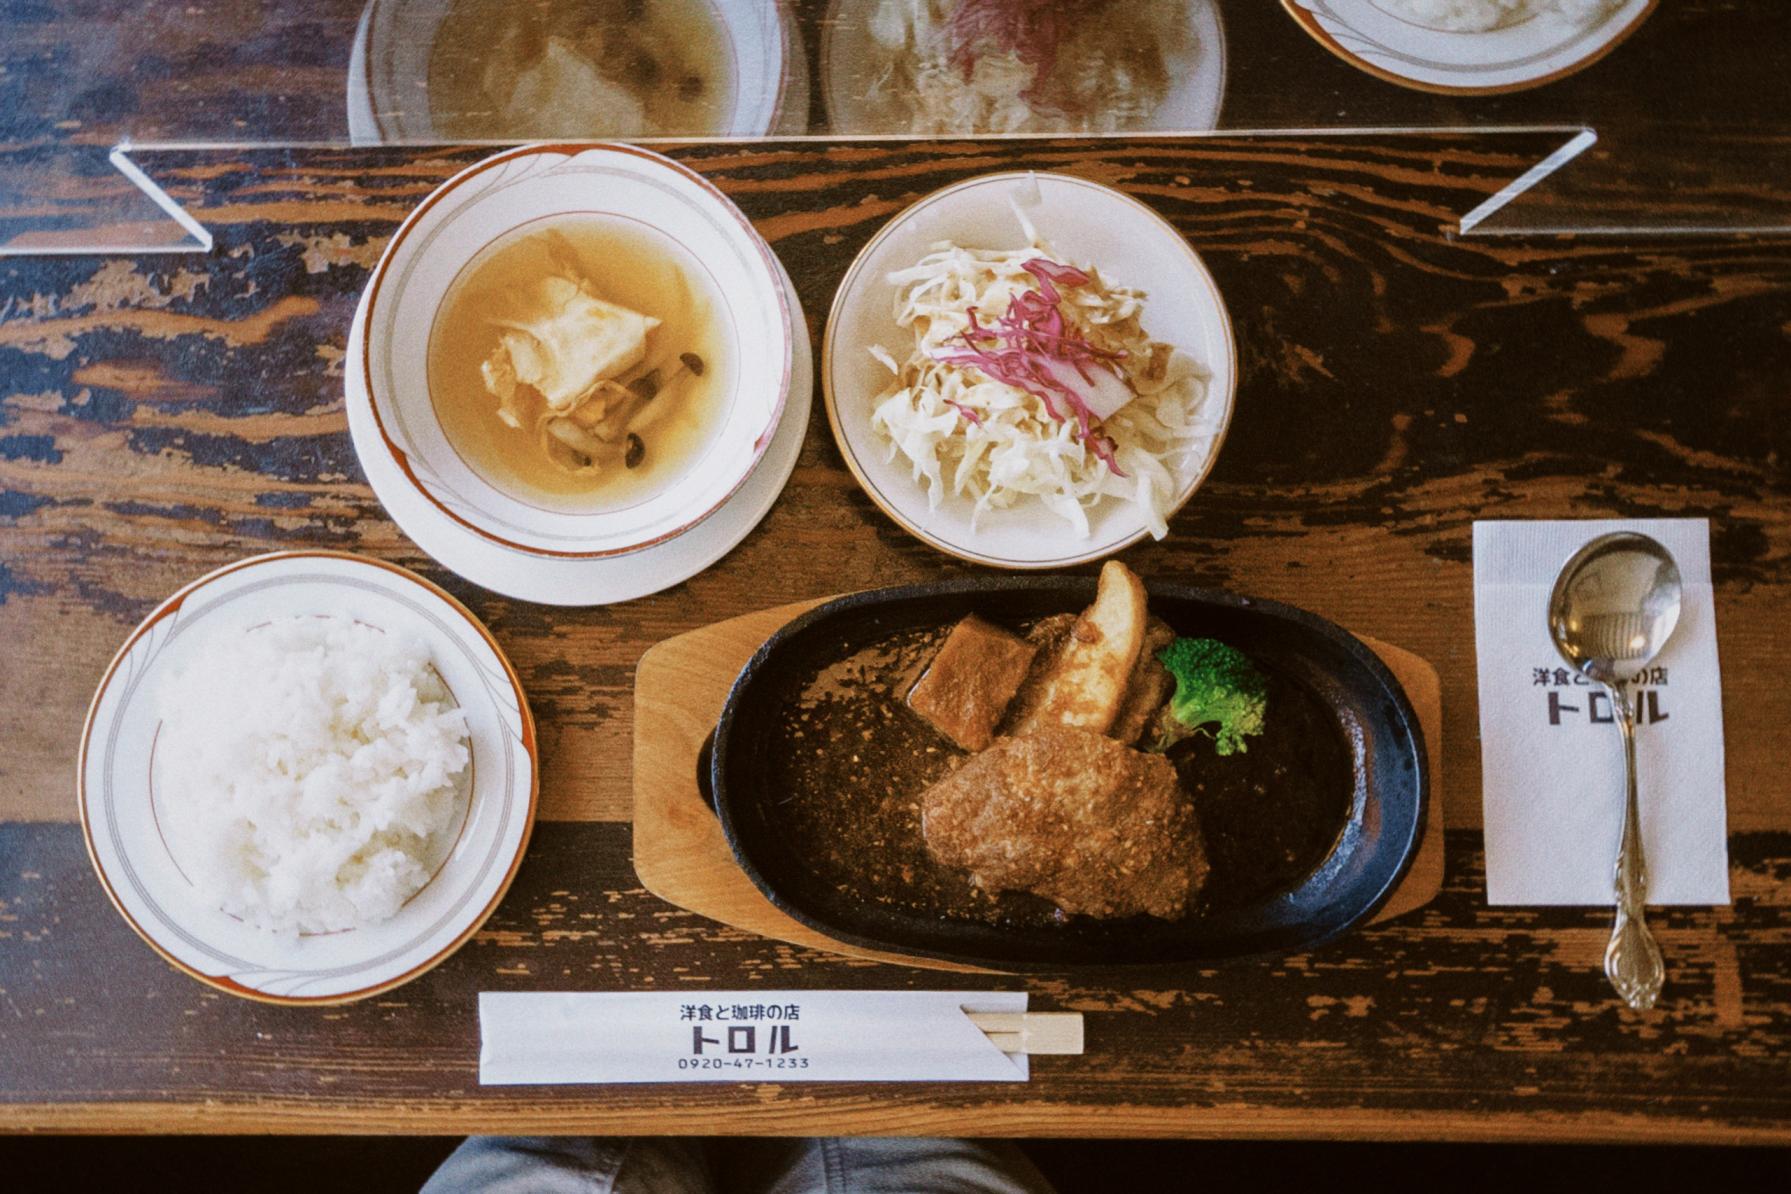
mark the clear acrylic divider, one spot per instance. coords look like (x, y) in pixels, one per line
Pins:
(1673, 117)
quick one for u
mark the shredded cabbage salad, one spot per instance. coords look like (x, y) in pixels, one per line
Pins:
(1011, 66)
(1028, 378)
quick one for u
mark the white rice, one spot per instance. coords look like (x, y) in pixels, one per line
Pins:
(1477, 16)
(306, 772)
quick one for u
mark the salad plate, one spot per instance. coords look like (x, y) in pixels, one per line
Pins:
(864, 91)
(1087, 226)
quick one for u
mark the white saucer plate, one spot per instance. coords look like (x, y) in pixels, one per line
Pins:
(118, 802)
(586, 582)
(499, 198)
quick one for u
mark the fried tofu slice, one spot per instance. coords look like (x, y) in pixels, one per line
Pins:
(1087, 682)
(559, 341)
(971, 681)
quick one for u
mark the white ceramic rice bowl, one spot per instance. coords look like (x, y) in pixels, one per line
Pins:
(138, 865)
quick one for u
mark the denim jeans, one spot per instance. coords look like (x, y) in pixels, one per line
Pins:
(869, 1165)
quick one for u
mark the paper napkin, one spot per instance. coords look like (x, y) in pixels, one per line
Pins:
(1551, 755)
(743, 1036)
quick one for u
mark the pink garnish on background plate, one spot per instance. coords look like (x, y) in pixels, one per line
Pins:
(1033, 348)
(1032, 29)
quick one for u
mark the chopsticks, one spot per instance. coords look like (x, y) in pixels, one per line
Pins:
(1031, 1032)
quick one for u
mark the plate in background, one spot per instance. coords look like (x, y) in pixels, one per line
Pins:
(852, 60)
(388, 73)
(1528, 54)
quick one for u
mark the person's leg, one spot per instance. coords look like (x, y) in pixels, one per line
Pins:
(891, 1165)
(572, 1165)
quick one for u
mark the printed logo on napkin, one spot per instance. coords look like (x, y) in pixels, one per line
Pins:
(742, 1036)
(1551, 754)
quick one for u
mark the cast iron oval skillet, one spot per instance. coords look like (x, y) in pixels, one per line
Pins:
(1387, 806)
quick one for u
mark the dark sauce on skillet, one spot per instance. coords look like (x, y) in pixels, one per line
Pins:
(1270, 814)
(851, 761)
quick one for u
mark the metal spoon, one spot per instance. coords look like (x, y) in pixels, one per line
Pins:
(1615, 605)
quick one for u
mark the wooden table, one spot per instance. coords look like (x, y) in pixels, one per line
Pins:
(159, 418)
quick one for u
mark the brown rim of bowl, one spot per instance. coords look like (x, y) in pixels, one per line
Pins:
(530, 746)
(573, 149)
(1310, 24)
(830, 402)
(791, 38)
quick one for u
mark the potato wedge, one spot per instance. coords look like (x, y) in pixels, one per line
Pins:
(1147, 687)
(1088, 682)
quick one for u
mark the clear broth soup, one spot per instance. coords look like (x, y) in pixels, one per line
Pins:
(623, 262)
(503, 69)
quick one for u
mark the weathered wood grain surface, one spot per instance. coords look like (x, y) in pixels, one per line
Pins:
(1452, 1023)
(158, 419)
(161, 419)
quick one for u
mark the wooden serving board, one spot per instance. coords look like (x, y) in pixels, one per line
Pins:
(682, 856)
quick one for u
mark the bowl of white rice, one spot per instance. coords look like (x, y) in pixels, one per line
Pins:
(308, 777)
(1470, 47)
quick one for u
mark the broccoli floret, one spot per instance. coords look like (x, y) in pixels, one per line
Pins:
(1215, 686)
